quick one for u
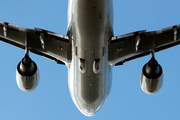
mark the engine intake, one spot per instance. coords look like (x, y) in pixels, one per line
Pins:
(27, 76)
(151, 77)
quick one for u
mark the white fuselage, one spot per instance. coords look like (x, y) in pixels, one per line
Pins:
(90, 30)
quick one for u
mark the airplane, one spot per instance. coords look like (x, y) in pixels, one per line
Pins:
(90, 51)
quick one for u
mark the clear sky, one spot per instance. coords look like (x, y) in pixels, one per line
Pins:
(51, 100)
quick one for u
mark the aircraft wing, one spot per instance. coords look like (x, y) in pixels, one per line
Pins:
(138, 44)
(42, 42)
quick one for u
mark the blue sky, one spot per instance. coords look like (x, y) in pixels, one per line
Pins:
(51, 100)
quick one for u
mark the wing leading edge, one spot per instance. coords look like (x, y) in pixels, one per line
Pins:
(42, 42)
(141, 43)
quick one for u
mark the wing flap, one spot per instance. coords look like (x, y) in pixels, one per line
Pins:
(13, 35)
(42, 42)
(137, 44)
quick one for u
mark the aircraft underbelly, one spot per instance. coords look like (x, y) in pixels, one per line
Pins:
(90, 24)
(90, 73)
(88, 90)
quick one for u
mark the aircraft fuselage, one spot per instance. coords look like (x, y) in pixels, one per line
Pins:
(90, 24)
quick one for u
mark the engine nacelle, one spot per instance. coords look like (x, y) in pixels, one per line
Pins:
(151, 77)
(27, 76)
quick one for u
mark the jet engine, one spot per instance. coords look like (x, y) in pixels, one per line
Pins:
(27, 76)
(151, 77)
